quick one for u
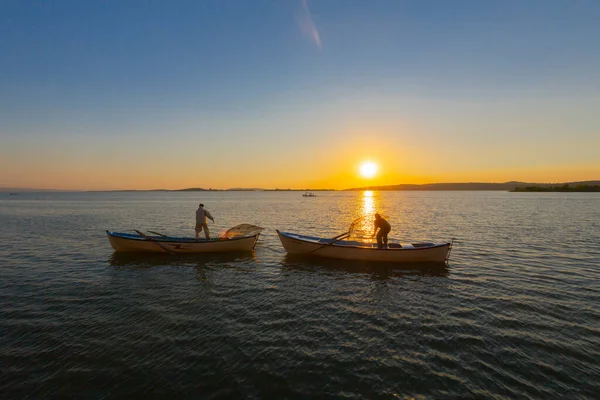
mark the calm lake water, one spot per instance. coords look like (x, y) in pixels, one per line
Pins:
(515, 314)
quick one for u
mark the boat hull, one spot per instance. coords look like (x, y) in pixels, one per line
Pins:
(126, 242)
(408, 253)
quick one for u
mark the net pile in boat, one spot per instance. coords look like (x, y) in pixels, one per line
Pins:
(241, 230)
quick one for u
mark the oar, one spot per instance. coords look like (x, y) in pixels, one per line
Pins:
(154, 241)
(159, 234)
(333, 240)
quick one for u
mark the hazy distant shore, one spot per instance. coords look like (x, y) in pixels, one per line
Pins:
(506, 186)
(513, 186)
(561, 188)
(215, 190)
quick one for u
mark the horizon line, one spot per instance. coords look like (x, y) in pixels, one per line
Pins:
(242, 189)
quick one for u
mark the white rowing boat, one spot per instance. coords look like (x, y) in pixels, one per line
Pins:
(357, 250)
(234, 240)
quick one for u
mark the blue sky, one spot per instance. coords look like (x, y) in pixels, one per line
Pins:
(250, 90)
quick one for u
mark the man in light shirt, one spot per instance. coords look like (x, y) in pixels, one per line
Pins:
(201, 223)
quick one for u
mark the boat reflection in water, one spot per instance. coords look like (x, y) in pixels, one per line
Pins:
(149, 260)
(379, 270)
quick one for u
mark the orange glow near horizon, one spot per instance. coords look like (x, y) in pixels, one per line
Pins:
(338, 171)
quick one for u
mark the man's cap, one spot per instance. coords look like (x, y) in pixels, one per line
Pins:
(201, 205)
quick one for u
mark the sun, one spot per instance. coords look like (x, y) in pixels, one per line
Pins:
(368, 169)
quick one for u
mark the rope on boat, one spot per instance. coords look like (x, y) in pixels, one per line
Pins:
(450, 249)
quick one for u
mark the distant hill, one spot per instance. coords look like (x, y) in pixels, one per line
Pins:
(559, 188)
(472, 186)
(428, 186)
(29, 190)
(299, 190)
(219, 190)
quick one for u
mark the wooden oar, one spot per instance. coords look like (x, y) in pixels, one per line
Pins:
(154, 241)
(159, 234)
(333, 240)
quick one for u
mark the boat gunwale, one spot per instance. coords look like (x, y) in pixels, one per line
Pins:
(173, 239)
(334, 244)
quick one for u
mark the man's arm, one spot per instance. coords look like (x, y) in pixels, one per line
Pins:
(210, 216)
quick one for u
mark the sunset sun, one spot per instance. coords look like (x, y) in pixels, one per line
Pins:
(368, 169)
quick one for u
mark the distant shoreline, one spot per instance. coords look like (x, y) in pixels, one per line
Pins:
(512, 186)
(211, 190)
(563, 188)
(506, 186)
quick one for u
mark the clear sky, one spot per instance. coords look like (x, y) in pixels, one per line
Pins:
(292, 94)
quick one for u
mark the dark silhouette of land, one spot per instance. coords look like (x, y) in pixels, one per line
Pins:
(582, 186)
(4, 189)
(510, 186)
(559, 188)
(215, 190)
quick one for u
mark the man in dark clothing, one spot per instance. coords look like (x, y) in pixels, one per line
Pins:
(384, 228)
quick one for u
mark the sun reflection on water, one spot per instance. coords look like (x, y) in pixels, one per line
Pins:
(362, 227)
(368, 203)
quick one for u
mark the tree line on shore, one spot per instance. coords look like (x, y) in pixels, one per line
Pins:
(562, 188)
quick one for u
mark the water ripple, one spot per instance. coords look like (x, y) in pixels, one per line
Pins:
(514, 314)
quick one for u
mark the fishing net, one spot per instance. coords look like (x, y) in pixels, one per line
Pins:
(241, 230)
(362, 228)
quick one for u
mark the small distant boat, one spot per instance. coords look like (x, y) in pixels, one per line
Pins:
(308, 194)
(240, 238)
(357, 250)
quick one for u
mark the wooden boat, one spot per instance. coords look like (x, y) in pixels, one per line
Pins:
(158, 243)
(309, 195)
(357, 250)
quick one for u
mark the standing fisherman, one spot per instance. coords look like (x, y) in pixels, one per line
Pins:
(384, 228)
(201, 223)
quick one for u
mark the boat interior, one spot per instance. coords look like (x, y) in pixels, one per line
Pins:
(135, 236)
(356, 243)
